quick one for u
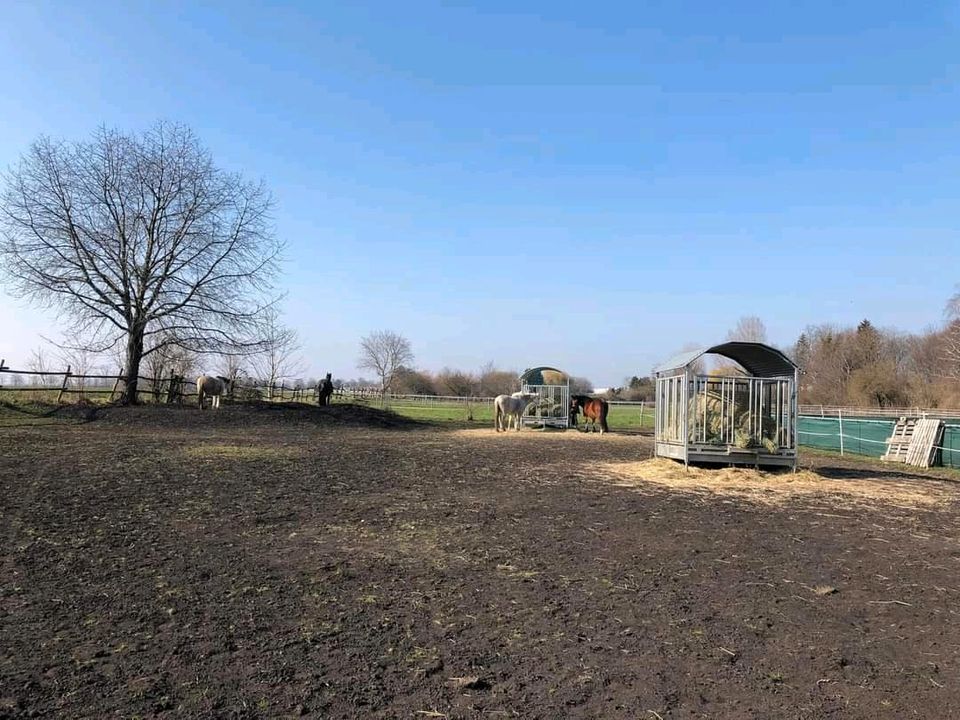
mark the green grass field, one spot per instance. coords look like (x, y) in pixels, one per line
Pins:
(621, 417)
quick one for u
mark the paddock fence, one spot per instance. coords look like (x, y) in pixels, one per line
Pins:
(65, 386)
(847, 430)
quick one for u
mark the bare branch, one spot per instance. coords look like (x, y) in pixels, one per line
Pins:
(144, 234)
(384, 352)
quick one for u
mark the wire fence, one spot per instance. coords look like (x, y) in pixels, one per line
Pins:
(868, 436)
(878, 412)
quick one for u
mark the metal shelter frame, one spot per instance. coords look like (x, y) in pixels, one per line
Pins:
(552, 387)
(742, 419)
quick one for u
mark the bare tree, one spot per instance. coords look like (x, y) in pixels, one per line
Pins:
(413, 382)
(80, 361)
(166, 359)
(279, 357)
(231, 365)
(749, 328)
(580, 386)
(456, 382)
(138, 237)
(384, 352)
(495, 382)
(39, 363)
(951, 337)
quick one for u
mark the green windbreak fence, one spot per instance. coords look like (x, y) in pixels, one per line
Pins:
(868, 436)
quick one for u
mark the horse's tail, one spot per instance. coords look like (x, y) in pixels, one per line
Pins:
(603, 416)
(497, 412)
(200, 391)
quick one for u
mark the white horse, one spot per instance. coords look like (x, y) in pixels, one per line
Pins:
(212, 387)
(507, 407)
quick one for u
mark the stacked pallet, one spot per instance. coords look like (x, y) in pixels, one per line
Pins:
(898, 444)
(927, 436)
(914, 441)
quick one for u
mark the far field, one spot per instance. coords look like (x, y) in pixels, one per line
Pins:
(623, 417)
(342, 563)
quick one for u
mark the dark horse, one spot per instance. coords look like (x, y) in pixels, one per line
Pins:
(593, 409)
(324, 390)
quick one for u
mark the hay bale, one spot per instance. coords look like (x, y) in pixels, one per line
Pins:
(708, 409)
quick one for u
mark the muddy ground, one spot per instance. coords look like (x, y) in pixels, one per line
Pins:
(165, 563)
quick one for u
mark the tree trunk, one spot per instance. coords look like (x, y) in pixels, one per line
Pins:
(134, 356)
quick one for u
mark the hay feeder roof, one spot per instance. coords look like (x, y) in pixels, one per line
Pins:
(758, 359)
(544, 376)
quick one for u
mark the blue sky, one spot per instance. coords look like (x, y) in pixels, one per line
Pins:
(585, 185)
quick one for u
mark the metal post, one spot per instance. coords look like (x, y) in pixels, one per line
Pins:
(840, 415)
(683, 418)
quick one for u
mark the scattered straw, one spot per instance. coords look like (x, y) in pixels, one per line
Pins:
(773, 487)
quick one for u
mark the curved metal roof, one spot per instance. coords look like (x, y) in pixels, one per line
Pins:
(756, 358)
(543, 376)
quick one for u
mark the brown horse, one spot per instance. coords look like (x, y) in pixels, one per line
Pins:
(593, 409)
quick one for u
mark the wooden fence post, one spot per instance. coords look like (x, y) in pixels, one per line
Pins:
(116, 385)
(63, 387)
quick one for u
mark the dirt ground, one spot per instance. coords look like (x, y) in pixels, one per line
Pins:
(166, 563)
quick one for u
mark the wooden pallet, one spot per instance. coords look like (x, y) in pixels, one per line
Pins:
(926, 436)
(898, 444)
(914, 441)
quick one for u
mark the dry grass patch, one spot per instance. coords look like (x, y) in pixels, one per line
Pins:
(775, 487)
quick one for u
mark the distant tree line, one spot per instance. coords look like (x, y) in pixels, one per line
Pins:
(867, 366)
(488, 381)
(871, 367)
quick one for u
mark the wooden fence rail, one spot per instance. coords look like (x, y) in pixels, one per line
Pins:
(169, 387)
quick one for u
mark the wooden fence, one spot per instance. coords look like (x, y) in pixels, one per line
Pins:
(167, 388)
(172, 388)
